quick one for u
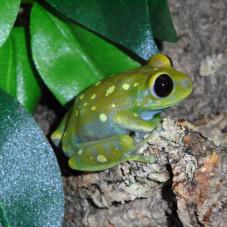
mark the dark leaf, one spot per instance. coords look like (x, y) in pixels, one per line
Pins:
(161, 22)
(125, 22)
(31, 189)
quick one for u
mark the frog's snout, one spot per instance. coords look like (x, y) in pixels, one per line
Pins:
(187, 85)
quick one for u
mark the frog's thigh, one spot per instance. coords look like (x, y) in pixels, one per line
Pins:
(104, 154)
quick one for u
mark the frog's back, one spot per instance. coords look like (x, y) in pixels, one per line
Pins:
(93, 111)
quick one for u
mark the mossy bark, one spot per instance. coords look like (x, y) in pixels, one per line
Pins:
(186, 187)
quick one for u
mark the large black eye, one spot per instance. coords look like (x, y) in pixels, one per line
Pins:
(163, 85)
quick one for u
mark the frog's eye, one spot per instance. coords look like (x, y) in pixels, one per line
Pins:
(163, 85)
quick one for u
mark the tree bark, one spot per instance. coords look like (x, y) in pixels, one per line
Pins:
(186, 187)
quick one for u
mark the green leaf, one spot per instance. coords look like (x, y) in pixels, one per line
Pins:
(8, 68)
(16, 74)
(161, 21)
(28, 91)
(125, 22)
(69, 58)
(31, 189)
(8, 14)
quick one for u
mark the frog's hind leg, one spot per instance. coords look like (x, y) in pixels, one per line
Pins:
(104, 154)
(57, 135)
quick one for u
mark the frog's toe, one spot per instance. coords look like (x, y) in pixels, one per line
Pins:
(140, 158)
(151, 159)
(56, 137)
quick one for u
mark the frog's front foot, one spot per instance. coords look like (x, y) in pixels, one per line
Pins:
(134, 156)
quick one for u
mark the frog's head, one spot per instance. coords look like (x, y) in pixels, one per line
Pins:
(166, 86)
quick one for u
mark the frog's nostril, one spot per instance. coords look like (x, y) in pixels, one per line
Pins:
(186, 84)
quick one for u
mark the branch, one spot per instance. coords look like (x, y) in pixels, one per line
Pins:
(186, 186)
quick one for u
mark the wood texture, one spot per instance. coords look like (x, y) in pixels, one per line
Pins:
(187, 187)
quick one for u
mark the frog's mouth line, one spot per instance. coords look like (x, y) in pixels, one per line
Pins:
(168, 105)
(149, 114)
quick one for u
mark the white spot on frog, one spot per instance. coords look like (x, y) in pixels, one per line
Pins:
(98, 83)
(103, 117)
(125, 86)
(80, 152)
(101, 158)
(93, 96)
(110, 90)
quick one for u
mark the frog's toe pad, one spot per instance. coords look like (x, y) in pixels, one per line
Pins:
(56, 137)
(141, 158)
(150, 159)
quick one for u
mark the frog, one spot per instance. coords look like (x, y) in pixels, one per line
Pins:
(98, 131)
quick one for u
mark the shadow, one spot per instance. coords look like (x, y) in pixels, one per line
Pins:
(169, 196)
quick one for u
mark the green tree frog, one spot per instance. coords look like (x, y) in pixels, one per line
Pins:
(96, 134)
